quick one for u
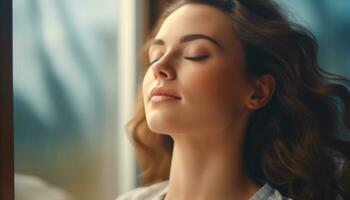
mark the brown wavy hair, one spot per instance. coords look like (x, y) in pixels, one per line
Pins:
(293, 142)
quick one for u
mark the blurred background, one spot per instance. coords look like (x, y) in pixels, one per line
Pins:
(75, 80)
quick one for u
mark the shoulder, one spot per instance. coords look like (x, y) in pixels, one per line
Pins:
(267, 192)
(151, 192)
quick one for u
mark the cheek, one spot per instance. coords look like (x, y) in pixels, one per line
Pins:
(218, 89)
(216, 84)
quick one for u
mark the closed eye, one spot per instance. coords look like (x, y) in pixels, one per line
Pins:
(197, 58)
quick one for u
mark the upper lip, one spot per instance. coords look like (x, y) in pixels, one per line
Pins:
(158, 91)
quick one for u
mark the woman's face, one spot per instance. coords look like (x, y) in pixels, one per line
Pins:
(196, 57)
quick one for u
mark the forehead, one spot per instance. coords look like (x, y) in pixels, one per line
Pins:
(197, 19)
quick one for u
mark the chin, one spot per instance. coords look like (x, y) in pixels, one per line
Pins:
(158, 127)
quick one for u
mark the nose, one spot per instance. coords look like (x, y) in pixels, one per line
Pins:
(163, 69)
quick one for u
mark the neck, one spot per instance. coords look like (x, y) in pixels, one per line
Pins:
(209, 167)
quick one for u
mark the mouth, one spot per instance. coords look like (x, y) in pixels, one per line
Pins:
(161, 94)
(160, 98)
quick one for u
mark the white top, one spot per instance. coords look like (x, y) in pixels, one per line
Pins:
(157, 191)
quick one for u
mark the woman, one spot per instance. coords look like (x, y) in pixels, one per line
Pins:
(235, 106)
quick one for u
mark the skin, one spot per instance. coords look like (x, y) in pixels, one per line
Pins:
(208, 123)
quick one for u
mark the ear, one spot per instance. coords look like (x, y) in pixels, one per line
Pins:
(263, 90)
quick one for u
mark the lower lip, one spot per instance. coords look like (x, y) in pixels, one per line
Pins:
(160, 98)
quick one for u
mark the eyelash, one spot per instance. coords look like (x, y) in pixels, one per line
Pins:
(197, 58)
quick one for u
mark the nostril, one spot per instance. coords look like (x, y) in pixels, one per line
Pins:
(163, 73)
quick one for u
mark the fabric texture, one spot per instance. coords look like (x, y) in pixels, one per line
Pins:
(158, 191)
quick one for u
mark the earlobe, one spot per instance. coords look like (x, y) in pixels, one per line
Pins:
(264, 88)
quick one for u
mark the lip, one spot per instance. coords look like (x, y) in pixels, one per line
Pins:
(161, 93)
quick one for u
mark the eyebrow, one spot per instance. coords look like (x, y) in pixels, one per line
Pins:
(188, 38)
